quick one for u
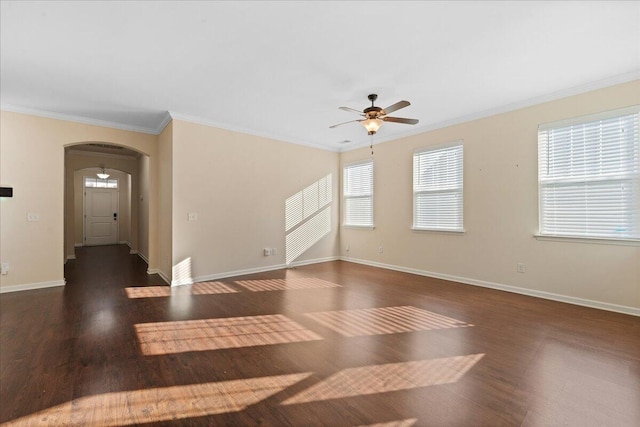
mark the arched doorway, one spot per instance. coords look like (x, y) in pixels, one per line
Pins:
(131, 168)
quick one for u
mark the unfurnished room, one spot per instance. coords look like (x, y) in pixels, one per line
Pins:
(306, 213)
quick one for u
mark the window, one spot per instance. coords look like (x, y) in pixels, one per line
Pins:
(358, 194)
(437, 188)
(100, 183)
(589, 176)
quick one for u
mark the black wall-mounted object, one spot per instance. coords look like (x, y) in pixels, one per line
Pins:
(6, 191)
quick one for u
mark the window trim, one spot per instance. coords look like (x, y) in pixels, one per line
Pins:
(450, 144)
(106, 181)
(344, 197)
(603, 115)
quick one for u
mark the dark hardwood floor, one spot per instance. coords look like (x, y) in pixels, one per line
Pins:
(332, 344)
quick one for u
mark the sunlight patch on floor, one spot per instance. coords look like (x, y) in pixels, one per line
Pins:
(161, 404)
(202, 288)
(214, 334)
(386, 378)
(285, 284)
(384, 320)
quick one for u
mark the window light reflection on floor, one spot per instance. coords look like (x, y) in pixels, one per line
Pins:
(385, 320)
(202, 288)
(285, 284)
(161, 404)
(373, 379)
(215, 334)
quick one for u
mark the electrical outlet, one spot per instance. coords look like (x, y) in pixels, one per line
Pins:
(274, 251)
(192, 216)
(33, 217)
(347, 248)
(380, 249)
(521, 268)
(266, 251)
(5, 268)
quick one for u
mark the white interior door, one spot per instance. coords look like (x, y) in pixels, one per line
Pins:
(101, 216)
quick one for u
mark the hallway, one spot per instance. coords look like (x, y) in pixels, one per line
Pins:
(335, 344)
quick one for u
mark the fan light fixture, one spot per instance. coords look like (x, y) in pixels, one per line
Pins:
(372, 125)
(373, 117)
(103, 174)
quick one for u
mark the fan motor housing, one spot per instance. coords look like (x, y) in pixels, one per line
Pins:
(372, 112)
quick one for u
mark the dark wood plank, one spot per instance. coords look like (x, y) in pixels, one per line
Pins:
(336, 344)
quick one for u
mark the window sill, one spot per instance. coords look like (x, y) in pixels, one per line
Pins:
(593, 240)
(359, 227)
(437, 230)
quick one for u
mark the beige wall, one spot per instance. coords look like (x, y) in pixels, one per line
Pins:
(32, 162)
(165, 201)
(237, 185)
(142, 203)
(500, 210)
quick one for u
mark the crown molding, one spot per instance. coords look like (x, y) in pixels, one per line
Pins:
(565, 93)
(163, 124)
(245, 130)
(169, 115)
(77, 119)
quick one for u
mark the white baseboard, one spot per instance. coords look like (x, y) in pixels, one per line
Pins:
(262, 269)
(133, 252)
(164, 277)
(144, 258)
(313, 261)
(31, 286)
(159, 273)
(71, 257)
(238, 273)
(78, 245)
(514, 289)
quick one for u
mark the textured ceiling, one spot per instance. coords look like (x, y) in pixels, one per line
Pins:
(281, 69)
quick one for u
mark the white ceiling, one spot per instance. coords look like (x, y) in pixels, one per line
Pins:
(281, 69)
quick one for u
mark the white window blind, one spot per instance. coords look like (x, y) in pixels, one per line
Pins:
(589, 176)
(437, 188)
(358, 194)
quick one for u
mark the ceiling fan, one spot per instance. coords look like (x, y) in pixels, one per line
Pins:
(374, 116)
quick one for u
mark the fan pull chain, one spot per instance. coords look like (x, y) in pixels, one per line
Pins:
(371, 145)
